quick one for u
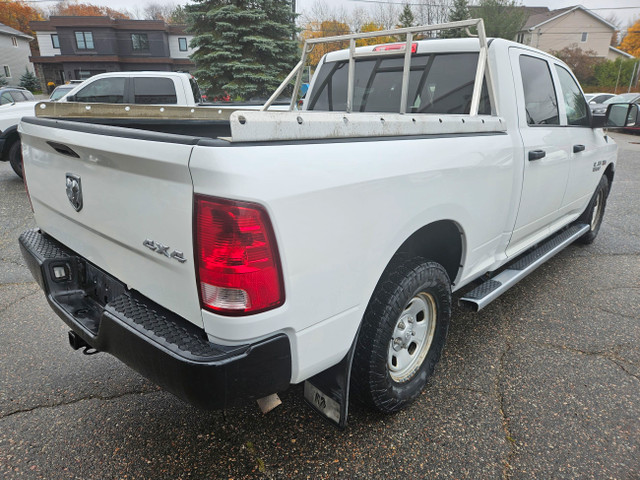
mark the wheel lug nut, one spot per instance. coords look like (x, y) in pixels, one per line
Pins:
(402, 326)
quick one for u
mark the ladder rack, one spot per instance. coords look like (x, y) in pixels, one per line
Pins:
(482, 70)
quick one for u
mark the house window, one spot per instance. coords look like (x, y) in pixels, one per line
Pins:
(182, 44)
(55, 41)
(140, 42)
(584, 36)
(520, 38)
(14, 41)
(7, 72)
(84, 40)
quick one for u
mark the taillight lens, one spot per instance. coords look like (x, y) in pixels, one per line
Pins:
(238, 264)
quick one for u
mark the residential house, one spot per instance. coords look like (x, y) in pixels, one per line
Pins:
(75, 48)
(553, 30)
(14, 54)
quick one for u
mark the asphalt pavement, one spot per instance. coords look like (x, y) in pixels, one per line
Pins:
(542, 384)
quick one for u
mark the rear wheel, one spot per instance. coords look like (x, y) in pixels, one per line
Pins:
(594, 213)
(402, 335)
(15, 157)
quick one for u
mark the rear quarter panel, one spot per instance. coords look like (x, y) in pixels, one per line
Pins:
(341, 210)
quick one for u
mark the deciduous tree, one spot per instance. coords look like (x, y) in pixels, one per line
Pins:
(581, 62)
(17, 14)
(320, 29)
(245, 47)
(373, 27)
(612, 73)
(85, 10)
(631, 41)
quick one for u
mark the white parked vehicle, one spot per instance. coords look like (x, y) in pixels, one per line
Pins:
(170, 88)
(145, 88)
(258, 249)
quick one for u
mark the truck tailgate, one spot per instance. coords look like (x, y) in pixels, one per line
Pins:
(135, 217)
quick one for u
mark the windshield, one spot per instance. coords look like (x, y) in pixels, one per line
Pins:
(625, 97)
(60, 92)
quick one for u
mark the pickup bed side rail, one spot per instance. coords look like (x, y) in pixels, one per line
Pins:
(482, 70)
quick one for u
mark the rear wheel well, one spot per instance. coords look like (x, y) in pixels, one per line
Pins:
(10, 139)
(439, 242)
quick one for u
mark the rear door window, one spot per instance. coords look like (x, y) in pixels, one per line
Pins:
(440, 83)
(18, 96)
(540, 100)
(148, 90)
(105, 90)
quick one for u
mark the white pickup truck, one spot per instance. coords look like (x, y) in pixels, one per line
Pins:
(169, 88)
(264, 249)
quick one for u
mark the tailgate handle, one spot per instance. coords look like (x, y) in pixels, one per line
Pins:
(63, 149)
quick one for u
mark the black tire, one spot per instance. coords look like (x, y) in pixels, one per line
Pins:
(406, 287)
(15, 157)
(594, 213)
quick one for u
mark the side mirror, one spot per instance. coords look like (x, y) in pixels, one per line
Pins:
(71, 98)
(620, 115)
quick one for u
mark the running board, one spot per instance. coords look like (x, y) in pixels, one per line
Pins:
(481, 296)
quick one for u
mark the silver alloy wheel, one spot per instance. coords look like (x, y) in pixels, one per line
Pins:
(412, 337)
(596, 215)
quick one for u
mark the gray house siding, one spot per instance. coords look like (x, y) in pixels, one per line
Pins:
(15, 58)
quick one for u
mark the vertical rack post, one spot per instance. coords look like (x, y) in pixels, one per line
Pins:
(352, 74)
(406, 71)
(296, 88)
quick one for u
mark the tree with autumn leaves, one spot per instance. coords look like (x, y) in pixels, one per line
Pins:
(17, 15)
(631, 42)
(67, 9)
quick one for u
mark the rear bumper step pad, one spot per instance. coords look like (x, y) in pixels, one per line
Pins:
(160, 345)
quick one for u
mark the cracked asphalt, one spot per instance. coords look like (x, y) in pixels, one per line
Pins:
(542, 384)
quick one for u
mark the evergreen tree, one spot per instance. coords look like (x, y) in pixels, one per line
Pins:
(3, 81)
(406, 18)
(502, 18)
(29, 81)
(460, 12)
(245, 47)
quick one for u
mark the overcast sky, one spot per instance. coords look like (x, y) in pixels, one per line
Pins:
(603, 8)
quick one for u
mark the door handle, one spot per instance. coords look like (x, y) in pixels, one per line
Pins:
(578, 148)
(536, 154)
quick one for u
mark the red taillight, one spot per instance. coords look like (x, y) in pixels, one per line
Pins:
(238, 264)
(395, 46)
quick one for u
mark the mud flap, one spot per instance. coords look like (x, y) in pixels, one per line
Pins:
(328, 391)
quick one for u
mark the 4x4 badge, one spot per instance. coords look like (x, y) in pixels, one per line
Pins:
(74, 191)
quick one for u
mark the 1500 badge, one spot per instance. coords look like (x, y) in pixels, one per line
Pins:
(598, 165)
(164, 250)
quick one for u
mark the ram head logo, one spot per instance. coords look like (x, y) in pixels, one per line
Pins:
(74, 191)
